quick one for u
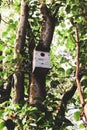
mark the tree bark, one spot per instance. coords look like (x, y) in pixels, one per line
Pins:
(18, 55)
(62, 109)
(77, 64)
(6, 85)
(38, 78)
(77, 75)
(0, 62)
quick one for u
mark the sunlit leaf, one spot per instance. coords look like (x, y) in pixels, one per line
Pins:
(69, 71)
(77, 115)
(2, 125)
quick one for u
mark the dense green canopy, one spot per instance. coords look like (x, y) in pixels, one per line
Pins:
(70, 32)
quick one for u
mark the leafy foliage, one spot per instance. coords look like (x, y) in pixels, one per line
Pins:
(62, 73)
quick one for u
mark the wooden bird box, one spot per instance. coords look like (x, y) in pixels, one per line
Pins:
(41, 59)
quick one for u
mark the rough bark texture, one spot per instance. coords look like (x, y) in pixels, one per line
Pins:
(60, 118)
(65, 99)
(77, 65)
(0, 62)
(47, 31)
(37, 89)
(5, 89)
(38, 78)
(19, 51)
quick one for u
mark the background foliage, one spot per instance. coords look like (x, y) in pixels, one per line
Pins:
(62, 73)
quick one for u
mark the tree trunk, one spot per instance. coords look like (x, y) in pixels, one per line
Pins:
(38, 77)
(19, 53)
(0, 62)
(5, 86)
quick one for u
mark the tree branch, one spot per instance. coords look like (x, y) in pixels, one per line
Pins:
(77, 64)
(57, 9)
(48, 25)
(61, 111)
(83, 103)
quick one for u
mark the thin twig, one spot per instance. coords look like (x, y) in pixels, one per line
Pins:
(77, 64)
(4, 21)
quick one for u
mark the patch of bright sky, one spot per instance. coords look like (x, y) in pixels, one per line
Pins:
(5, 14)
(61, 49)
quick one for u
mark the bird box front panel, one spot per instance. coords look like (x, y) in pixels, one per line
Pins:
(41, 59)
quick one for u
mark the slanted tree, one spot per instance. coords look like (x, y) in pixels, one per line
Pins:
(19, 53)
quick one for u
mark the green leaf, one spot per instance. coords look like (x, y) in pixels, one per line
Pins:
(61, 69)
(1, 112)
(81, 126)
(1, 57)
(84, 80)
(69, 71)
(54, 83)
(77, 115)
(41, 116)
(68, 9)
(33, 109)
(2, 46)
(4, 34)
(2, 125)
